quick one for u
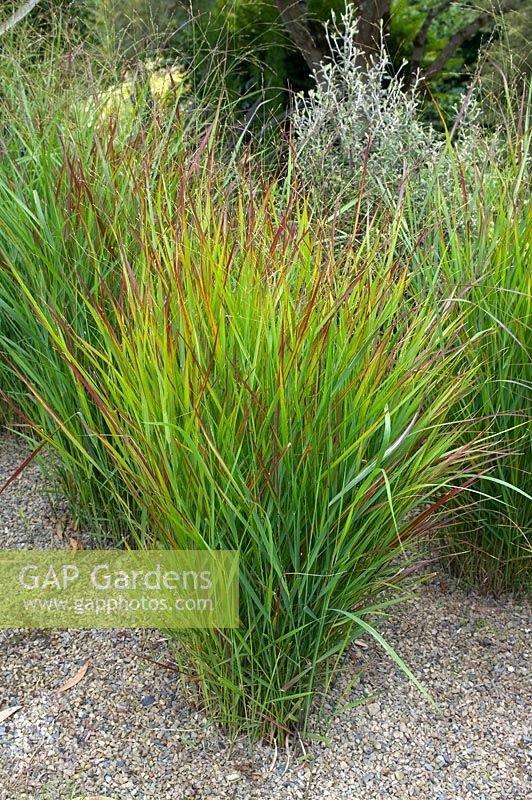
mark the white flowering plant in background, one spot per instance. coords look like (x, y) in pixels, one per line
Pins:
(358, 134)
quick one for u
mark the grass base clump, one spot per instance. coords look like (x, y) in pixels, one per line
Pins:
(247, 391)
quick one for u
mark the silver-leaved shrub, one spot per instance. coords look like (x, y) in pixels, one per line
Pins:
(359, 136)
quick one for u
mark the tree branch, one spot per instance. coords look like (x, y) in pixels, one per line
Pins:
(19, 15)
(294, 14)
(420, 39)
(371, 15)
(462, 36)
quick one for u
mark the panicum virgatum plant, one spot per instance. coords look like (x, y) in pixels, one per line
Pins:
(214, 373)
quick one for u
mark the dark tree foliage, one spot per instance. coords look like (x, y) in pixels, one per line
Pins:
(377, 16)
(77, 16)
(281, 43)
(265, 47)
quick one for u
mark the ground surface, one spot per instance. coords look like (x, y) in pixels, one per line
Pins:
(127, 731)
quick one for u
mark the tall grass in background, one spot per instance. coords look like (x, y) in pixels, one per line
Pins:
(72, 140)
(484, 247)
(41, 181)
(491, 545)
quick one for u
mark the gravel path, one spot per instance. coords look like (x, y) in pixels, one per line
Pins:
(127, 729)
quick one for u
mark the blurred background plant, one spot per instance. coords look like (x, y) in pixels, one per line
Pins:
(266, 48)
(275, 45)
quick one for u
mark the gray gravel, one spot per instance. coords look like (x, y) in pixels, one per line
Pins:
(127, 730)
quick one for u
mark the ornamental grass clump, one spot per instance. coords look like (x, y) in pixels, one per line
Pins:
(478, 232)
(213, 373)
(490, 543)
(69, 176)
(225, 382)
(59, 203)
